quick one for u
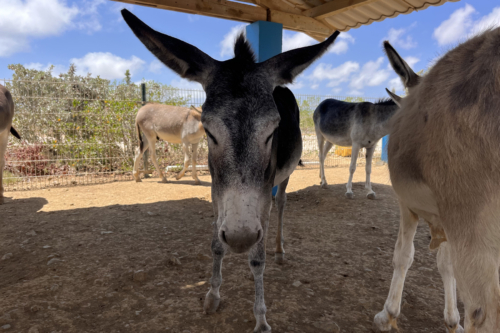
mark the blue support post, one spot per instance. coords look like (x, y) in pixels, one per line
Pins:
(385, 141)
(266, 39)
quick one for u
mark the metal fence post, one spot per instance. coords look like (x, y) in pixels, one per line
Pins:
(146, 153)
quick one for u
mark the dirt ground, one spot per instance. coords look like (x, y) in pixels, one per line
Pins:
(70, 255)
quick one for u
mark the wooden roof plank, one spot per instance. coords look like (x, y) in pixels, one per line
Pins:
(334, 7)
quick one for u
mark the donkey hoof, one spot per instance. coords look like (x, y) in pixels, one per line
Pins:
(164, 180)
(383, 322)
(324, 185)
(262, 328)
(349, 195)
(197, 182)
(454, 329)
(211, 303)
(371, 196)
(138, 180)
(279, 258)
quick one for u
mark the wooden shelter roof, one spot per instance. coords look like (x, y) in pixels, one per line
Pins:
(317, 18)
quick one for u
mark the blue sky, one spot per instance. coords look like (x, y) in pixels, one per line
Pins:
(92, 34)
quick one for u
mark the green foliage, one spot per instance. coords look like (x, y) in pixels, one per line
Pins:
(83, 121)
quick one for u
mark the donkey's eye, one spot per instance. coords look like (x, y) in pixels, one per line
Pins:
(269, 138)
(211, 136)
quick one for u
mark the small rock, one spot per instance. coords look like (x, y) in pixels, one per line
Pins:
(328, 326)
(6, 327)
(296, 283)
(140, 276)
(35, 308)
(53, 261)
(98, 282)
(34, 329)
(106, 232)
(31, 233)
(54, 287)
(174, 261)
(47, 246)
(7, 256)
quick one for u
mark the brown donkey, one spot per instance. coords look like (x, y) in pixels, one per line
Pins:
(174, 124)
(6, 115)
(444, 161)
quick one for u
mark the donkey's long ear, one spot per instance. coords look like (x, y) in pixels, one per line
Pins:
(183, 58)
(394, 97)
(407, 75)
(284, 67)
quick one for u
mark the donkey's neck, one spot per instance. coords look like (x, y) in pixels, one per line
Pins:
(384, 116)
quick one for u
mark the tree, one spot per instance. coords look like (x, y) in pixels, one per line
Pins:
(127, 77)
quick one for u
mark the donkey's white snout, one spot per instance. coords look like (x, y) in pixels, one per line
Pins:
(240, 240)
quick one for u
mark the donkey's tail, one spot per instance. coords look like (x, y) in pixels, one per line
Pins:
(139, 136)
(14, 132)
(301, 164)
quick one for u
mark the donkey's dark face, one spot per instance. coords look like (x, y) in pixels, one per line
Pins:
(240, 119)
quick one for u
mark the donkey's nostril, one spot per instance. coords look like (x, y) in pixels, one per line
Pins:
(223, 234)
(259, 233)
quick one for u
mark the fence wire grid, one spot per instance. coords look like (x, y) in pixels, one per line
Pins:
(76, 133)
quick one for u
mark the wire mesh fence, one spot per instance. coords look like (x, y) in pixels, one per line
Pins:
(83, 132)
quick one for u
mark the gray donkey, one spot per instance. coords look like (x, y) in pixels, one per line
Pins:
(6, 115)
(174, 124)
(444, 165)
(359, 125)
(254, 143)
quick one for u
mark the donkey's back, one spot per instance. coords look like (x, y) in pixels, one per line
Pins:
(344, 122)
(175, 124)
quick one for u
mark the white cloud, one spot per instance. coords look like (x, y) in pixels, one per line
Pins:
(296, 85)
(397, 39)
(185, 84)
(488, 21)
(411, 61)
(337, 90)
(107, 65)
(456, 27)
(461, 25)
(296, 40)
(370, 75)
(56, 70)
(227, 43)
(396, 84)
(341, 44)
(21, 21)
(299, 39)
(156, 66)
(335, 75)
(315, 86)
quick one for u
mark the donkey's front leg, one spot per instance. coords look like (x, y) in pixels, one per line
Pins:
(280, 202)
(257, 261)
(212, 299)
(354, 157)
(368, 185)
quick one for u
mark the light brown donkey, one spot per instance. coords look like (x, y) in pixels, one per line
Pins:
(174, 124)
(444, 161)
(6, 115)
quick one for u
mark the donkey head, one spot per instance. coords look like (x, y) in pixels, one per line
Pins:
(409, 78)
(240, 120)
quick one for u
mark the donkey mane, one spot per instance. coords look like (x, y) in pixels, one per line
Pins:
(243, 50)
(385, 101)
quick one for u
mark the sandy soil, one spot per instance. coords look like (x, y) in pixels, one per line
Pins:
(135, 257)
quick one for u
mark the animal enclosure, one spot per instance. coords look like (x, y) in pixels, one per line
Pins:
(82, 131)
